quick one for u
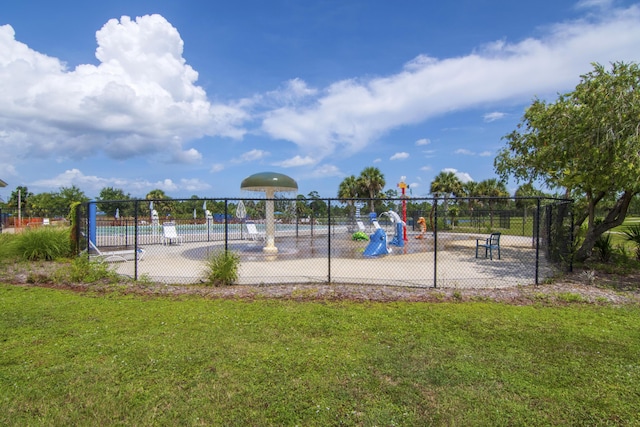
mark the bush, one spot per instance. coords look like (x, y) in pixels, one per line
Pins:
(222, 268)
(603, 248)
(84, 270)
(45, 243)
(360, 236)
(632, 234)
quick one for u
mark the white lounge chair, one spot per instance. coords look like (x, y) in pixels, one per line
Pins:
(45, 221)
(170, 233)
(123, 255)
(253, 232)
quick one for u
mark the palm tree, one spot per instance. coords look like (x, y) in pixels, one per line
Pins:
(348, 191)
(493, 189)
(445, 184)
(371, 181)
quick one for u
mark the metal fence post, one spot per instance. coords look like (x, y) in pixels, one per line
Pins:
(226, 225)
(329, 241)
(537, 234)
(135, 240)
(435, 242)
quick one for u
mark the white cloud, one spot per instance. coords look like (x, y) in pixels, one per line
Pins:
(189, 156)
(492, 117)
(399, 156)
(349, 114)
(485, 154)
(140, 95)
(325, 171)
(295, 161)
(216, 167)
(462, 176)
(429, 153)
(423, 141)
(378, 160)
(193, 185)
(92, 184)
(464, 152)
(426, 168)
(251, 156)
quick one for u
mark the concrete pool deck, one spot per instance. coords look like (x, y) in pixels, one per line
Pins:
(455, 266)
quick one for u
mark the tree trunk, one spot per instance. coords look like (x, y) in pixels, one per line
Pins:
(614, 218)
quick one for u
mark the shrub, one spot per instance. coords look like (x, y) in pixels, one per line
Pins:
(360, 236)
(603, 248)
(45, 243)
(632, 234)
(84, 270)
(222, 268)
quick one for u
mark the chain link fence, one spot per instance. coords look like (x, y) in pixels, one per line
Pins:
(420, 242)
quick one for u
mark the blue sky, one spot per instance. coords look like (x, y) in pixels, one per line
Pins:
(193, 96)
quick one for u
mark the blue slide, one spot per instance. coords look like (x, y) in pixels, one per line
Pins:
(378, 244)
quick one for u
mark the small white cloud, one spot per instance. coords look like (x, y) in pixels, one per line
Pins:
(462, 176)
(378, 160)
(399, 156)
(216, 167)
(492, 117)
(189, 156)
(429, 153)
(295, 161)
(426, 168)
(485, 154)
(423, 141)
(464, 152)
(251, 156)
(193, 185)
(594, 4)
(325, 170)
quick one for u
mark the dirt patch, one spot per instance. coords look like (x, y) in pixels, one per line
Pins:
(579, 287)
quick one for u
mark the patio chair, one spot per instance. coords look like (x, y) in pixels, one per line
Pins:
(123, 255)
(253, 232)
(489, 244)
(170, 233)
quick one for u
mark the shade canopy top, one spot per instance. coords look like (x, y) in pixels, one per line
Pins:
(272, 181)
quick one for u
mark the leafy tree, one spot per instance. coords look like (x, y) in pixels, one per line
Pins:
(114, 194)
(159, 204)
(526, 194)
(317, 205)
(24, 196)
(587, 142)
(371, 182)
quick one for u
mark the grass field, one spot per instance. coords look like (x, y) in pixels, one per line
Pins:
(111, 359)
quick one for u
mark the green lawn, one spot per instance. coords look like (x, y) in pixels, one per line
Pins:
(110, 359)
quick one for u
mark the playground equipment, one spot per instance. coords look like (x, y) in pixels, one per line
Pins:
(423, 227)
(378, 240)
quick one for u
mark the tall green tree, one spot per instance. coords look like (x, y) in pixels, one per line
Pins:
(347, 191)
(587, 142)
(371, 182)
(445, 184)
(22, 193)
(115, 197)
(493, 191)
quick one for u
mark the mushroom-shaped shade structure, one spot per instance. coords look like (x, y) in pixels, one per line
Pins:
(269, 183)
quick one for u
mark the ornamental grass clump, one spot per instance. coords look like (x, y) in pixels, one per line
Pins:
(222, 268)
(632, 234)
(41, 244)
